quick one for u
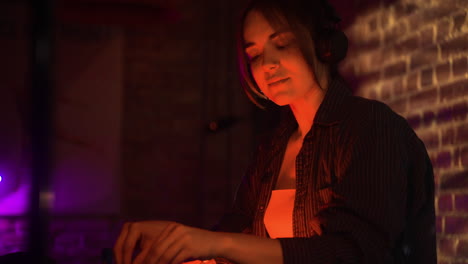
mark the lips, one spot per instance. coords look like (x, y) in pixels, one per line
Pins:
(277, 81)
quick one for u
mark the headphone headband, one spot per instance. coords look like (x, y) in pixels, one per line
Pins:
(331, 42)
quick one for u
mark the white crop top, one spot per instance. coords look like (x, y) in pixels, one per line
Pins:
(279, 213)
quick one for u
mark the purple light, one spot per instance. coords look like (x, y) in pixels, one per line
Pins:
(13, 193)
(15, 203)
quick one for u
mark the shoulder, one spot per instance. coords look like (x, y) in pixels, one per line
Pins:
(372, 109)
(375, 113)
(369, 120)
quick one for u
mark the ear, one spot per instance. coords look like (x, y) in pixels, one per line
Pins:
(332, 46)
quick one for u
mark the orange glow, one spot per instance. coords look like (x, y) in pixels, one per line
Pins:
(278, 216)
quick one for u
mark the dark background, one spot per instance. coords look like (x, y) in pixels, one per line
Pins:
(137, 84)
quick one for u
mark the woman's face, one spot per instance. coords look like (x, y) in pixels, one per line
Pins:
(276, 62)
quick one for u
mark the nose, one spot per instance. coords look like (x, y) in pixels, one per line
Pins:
(270, 61)
(270, 66)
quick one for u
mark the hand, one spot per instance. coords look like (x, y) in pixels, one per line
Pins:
(211, 261)
(163, 242)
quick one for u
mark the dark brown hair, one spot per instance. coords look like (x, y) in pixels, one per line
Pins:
(306, 19)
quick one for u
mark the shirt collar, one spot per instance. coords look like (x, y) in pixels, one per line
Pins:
(334, 106)
(332, 110)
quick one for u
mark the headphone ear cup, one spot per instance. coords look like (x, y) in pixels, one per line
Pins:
(332, 46)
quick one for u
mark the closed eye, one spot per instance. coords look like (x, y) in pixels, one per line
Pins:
(252, 57)
(283, 40)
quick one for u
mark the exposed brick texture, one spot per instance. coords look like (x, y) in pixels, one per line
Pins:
(460, 66)
(454, 181)
(461, 202)
(443, 160)
(459, 20)
(423, 99)
(396, 69)
(412, 82)
(428, 118)
(399, 105)
(427, 77)
(386, 91)
(455, 90)
(425, 48)
(464, 156)
(462, 249)
(442, 29)
(462, 134)
(398, 86)
(443, 72)
(427, 37)
(424, 57)
(447, 246)
(404, 9)
(428, 14)
(445, 203)
(407, 45)
(395, 32)
(444, 114)
(448, 136)
(455, 225)
(431, 139)
(414, 121)
(454, 46)
(439, 224)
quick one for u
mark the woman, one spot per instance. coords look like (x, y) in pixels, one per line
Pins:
(341, 179)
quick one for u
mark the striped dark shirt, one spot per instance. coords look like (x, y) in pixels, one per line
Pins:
(364, 186)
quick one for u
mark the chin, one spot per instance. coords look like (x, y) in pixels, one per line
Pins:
(281, 99)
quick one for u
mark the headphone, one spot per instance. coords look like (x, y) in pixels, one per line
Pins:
(331, 44)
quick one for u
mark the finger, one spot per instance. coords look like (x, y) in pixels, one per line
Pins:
(129, 244)
(193, 262)
(166, 238)
(178, 252)
(119, 243)
(169, 237)
(146, 246)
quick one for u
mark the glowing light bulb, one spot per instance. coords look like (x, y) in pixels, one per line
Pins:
(0, 178)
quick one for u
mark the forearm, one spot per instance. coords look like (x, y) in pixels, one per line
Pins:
(243, 248)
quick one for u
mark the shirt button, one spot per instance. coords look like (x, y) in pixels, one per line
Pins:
(261, 207)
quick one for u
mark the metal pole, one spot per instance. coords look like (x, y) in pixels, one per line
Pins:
(41, 123)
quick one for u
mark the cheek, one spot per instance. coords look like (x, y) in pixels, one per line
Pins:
(257, 74)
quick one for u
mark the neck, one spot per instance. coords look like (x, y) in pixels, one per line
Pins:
(304, 111)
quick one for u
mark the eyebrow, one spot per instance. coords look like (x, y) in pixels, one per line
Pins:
(272, 36)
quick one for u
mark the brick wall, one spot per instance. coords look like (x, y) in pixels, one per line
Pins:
(413, 55)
